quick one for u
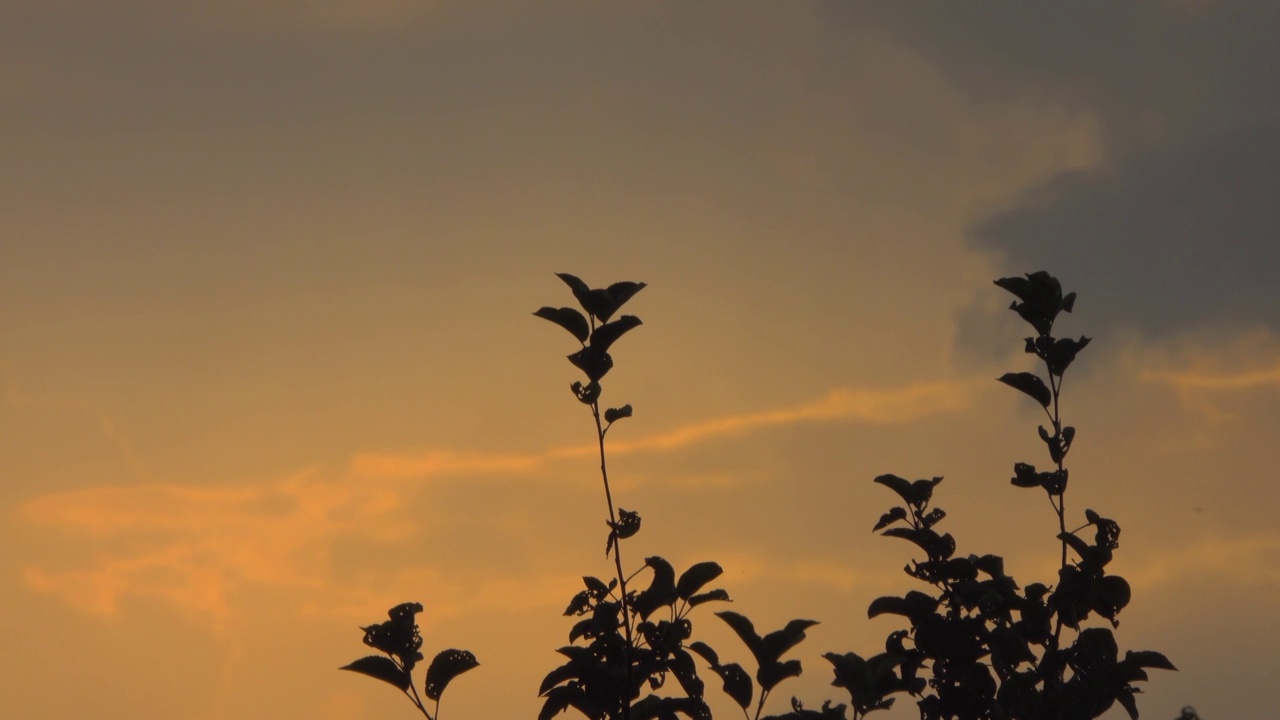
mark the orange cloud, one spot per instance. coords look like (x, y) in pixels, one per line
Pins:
(877, 406)
(196, 547)
(1193, 380)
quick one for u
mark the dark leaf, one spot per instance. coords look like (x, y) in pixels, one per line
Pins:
(579, 604)
(1069, 302)
(606, 334)
(661, 592)
(576, 285)
(681, 665)
(1029, 383)
(778, 642)
(595, 363)
(1091, 516)
(933, 517)
(890, 604)
(597, 586)
(705, 651)
(1112, 595)
(567, 318)
(696, 577)
(745, 630)
(613, 415)
(1125, 697)
(894, 515)
(382, 668)
(1025, 475)
(737, 683)
(1149, 659)
(623, 291)
(711, 596)
(898, 485)
(771, 674)
(447, 665)
(1063, 353)
(558, 700)
(1019, 286)
(1081, 548)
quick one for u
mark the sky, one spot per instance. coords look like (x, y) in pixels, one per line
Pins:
(268, 365)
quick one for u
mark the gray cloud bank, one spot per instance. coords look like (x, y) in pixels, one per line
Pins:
(1176, 230)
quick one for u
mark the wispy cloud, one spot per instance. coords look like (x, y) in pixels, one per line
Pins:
(882, 406)
(1251, 560)
(1191, 380)
(196, 547)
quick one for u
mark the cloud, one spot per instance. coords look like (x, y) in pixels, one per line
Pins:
(1182, 237)
(196, 548)
(886, 406)
(1247, 560)
(1174, 230)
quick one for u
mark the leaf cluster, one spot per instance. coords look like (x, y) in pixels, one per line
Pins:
(401, 641)
(611, 666)
(977, 644)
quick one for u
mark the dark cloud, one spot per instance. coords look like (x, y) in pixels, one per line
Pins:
(1186, 236)
(1178, 228)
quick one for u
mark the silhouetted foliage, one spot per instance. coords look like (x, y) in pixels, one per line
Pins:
(976, 645)
(401, 640)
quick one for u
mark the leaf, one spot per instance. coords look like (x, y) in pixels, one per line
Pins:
(893, 516)
(713, 595)
(1125, 697)
(608, 333)
(889, 604)
(597, 586)
(661, 592)
(567, 318)
(558, 700)
(1029, 383)
(382, 668)
(1019, 286)
(1081, 548)
(770, 675)
(1025, 475)
(778, 642)
(613, 415)
(595, 363)
(681, 665)
(746, 631)
(1149, 659)
(447, 665)
(693, 579)
(705, 651)
(624, 291)
(579, 604)
(1092, 516)
(737, 683)
(576, 285)
(896, 484)
(1063, 353)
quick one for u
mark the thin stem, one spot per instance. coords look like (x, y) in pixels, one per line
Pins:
(418, 701)
(764, 695)
(617, 558)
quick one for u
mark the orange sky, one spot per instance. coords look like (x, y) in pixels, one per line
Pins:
(267, 363)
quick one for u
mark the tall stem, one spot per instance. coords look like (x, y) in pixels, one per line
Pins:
(617, 559)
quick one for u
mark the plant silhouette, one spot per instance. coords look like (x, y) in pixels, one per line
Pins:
(976, 646)
(401, 641)
(632, 640)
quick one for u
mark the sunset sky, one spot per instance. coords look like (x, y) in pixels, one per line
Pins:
(268, 365)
